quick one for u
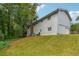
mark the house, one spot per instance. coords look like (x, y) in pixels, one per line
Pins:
(56, 22)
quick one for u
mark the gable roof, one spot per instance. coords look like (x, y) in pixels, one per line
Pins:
(52, 13)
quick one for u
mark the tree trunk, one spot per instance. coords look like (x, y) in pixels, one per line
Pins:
(31, 29)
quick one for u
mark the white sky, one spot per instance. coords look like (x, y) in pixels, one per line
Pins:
(40, 7)
(74, 15)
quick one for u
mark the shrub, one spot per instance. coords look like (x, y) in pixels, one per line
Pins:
(3, 44)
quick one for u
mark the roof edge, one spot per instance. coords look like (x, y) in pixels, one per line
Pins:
(51, 13)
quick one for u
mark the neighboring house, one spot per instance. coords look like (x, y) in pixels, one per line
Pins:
(56, 22)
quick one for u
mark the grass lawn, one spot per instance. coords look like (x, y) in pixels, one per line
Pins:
(44, 46)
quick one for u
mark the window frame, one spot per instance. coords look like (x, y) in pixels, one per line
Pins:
(50, 28)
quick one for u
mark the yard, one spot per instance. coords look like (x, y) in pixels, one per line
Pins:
(56, 45)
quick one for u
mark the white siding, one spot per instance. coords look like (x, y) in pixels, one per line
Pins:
(59, 22)
(52, 22)
(63, 23)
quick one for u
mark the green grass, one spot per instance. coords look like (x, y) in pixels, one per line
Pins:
(61, 45)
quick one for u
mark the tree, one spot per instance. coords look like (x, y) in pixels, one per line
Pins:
(32, 17)
(14, 18)
(75, 27)
(77, 18)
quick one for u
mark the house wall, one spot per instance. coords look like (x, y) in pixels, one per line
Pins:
(63, 23)
(42, 27)
(59, 22)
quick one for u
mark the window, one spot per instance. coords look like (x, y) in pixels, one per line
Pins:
(49, 28)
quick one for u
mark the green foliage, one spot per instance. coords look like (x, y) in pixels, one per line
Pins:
(14, 19)
(77, 18)
(75, 27)
(3, 44)
(17, 30)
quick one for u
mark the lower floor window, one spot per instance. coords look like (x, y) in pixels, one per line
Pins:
(49, 28)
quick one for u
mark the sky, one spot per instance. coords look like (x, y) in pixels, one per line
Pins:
(73, 9)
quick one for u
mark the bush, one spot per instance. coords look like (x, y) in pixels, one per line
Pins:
(3, 44)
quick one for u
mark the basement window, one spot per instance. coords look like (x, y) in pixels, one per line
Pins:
(49, 28)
